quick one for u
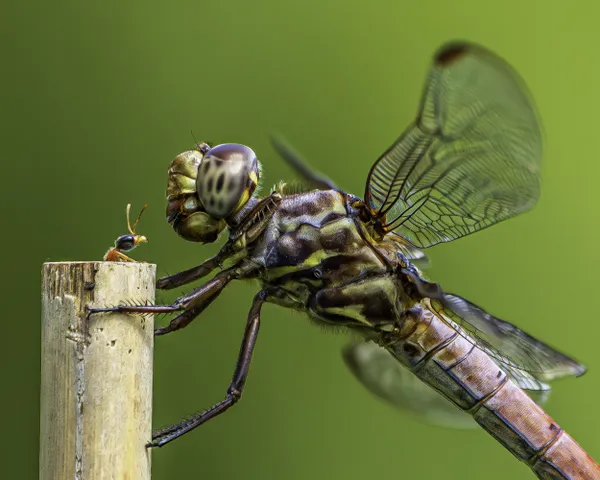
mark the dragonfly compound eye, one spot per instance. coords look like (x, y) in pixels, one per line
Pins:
(227, 178)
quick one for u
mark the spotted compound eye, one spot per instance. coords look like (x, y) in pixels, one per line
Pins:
(227, 178)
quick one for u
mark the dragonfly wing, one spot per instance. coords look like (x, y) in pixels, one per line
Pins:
(385, 377)
(295, 160)
(529, 361)
(388, 379)
(412, 253)
(470, 159)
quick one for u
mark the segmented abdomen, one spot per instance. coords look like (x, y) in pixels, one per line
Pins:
(468, 377)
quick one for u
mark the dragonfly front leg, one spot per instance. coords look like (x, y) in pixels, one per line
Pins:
(236, 387)
(191, 304)
(195, 273)
(251, 228)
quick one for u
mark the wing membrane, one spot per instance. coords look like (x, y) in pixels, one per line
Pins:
(471, 158)
(386, 378)
(295, 160)
(528, 361)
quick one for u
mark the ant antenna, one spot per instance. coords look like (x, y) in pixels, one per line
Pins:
(195, 140)
(132, 230)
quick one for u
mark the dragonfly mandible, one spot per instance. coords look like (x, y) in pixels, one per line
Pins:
(470, 159)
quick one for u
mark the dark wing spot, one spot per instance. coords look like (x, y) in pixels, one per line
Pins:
(220, 182)
(451, 53)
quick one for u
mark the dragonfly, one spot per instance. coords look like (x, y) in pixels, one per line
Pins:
(470, 159)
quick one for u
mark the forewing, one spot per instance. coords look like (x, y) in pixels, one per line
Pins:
(471, 158)
(529, 361)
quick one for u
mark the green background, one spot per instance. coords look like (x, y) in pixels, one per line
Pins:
(98, 97)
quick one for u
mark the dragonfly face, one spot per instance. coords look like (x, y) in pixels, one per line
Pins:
(207, 186)
(469, 160)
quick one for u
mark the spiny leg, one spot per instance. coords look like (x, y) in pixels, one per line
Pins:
(248, 231)
(185, 318)
(191, 304)
(294, 159)
(206, 295)
(187, 276)
(236, 387)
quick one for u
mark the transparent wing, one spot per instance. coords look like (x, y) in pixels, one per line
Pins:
(295, 160)
(385, 377)
(527, 360)
(471, 158)
(416, 256)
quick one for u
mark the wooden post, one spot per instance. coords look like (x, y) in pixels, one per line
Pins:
(96, 392)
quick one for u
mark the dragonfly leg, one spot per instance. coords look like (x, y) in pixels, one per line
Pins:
(236, 387)
(243, 235)
(191, 304)
(187, 276)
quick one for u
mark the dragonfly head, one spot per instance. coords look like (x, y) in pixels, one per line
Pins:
(207, 186)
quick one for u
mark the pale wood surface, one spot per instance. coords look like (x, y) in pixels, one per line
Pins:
(96, 391)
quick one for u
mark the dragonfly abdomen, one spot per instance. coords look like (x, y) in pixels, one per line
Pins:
(430, 347)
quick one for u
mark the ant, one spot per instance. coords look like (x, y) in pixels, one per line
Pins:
(126, 243)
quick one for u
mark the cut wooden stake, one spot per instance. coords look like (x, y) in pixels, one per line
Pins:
(96, 391)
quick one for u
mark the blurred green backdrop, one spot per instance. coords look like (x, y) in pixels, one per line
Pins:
(98, 97)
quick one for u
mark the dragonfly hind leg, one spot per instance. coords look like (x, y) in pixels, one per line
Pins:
(236, 387)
